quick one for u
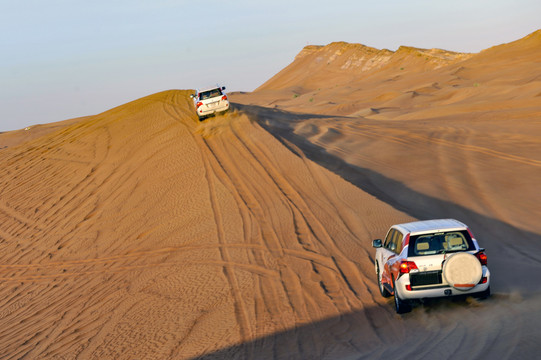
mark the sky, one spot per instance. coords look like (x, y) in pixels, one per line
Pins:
(61, 59)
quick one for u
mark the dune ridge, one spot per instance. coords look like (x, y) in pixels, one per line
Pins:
(349, 62)
(355, 80)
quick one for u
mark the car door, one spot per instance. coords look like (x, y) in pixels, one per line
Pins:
(393, 262)
(388, 253)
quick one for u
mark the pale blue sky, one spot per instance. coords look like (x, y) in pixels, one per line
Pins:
(61, 59)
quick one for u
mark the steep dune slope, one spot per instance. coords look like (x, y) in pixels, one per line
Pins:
(466, 132)
(355, 80)
(140, 233)
(347, 63)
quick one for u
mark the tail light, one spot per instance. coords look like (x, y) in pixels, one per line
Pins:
(482, 257)
(199, 104)
(407, 266)
(224, 97)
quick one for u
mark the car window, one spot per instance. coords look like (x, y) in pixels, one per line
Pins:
(210, 94)
(393, 241)
(388, 238)
(439, 243)
(397, 242)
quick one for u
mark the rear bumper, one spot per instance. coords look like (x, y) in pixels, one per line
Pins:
(443, 290)
(205, 110)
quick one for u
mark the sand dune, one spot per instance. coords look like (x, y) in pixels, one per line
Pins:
(142, 233)
(139, 233)
(407, 84)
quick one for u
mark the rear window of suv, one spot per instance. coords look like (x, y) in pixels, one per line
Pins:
(210, 94)
(439, 243)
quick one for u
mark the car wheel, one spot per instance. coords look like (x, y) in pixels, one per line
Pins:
(382, 288)
(400, 305)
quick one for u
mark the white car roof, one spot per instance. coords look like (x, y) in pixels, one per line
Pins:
(209, 88)
(426, 226)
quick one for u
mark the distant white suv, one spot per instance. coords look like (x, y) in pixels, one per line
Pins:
(210, 101)
(428, 259)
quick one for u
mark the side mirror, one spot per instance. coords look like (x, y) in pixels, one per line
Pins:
(223, 87)
(376, 243)
(192, 95)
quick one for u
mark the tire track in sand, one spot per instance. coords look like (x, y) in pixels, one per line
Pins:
(324, 273)
(211, 178)
(405, 138)
(20, 218)
(138, 254)
(305, 219)
(282, 302)
(250, 200)
(342, 281)
(229, 272)
(341, 278)
(258, 270)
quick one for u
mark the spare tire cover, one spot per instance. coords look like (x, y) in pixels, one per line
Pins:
(462, 271)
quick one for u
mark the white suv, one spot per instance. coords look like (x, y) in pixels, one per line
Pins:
(428, 259)
(210, 101)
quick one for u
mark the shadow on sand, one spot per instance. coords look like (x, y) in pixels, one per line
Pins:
(450, 326)
(513, 252)
(344, 336)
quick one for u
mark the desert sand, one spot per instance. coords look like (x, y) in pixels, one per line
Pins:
(141, 233)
